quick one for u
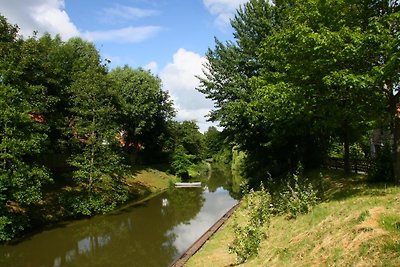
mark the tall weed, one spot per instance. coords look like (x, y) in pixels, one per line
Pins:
(250, 233)
(297, 197)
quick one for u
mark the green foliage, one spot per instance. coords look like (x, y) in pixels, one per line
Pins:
(238, 161)
(382, 166)
(103, 200)
(249, 234)
(300, 74)
(297, 197)
(356, 151)
(93, 130)
(144, 109)
(213, 142)
(224, 155)
(59, 96)
(22, 139)
(181, 162)
(186, 146)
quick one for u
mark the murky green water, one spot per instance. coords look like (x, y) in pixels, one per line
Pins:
(152, 233)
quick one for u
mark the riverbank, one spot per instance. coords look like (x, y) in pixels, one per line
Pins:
(357, 224)
(152, 231)
(145, 180)
(141, 181)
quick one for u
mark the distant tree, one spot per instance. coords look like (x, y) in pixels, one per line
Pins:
(144, 109)
(186, 143)
(187, 135)
(213, 142)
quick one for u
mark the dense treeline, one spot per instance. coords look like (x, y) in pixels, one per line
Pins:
(67, 121)
(302, 76)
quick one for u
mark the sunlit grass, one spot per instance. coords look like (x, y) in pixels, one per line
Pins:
(356, 224)
(149, 178)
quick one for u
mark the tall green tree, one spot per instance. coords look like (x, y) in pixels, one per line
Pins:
(93, 130)
(22, 138)
(322, 55)
(264, 122)
(300, 74)
(383, 34)
(144, 109)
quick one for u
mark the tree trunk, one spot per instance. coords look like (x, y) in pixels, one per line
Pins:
(396, 140)
(347, 167)
(396, 150)
(395, 126)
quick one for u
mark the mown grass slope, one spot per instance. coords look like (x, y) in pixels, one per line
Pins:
(356, 224)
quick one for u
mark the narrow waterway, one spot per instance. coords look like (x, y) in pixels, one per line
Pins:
(152, 233)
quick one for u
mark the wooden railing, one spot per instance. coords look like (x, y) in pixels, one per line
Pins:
(356, 165)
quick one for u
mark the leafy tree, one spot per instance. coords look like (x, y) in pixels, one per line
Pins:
(323, 58)
(144, 109)
(261, 118)
(383, 35)
(213, 142)
(186, 144)
(22, 138)
(187, 135)
(93, 130)
(301, 73)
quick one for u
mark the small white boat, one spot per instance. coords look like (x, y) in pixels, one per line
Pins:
(194, 184)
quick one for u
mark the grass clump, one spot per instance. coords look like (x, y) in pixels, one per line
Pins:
(390, 222)
(363, 215)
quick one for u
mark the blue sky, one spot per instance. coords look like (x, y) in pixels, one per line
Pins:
(168, 37)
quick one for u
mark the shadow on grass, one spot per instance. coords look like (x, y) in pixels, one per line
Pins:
(336, 185)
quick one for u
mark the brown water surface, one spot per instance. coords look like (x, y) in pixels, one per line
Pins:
(152, 233)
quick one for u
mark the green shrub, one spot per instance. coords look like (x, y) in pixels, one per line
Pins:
(249, 234)
(297, 197)
(5, 233)
(12, 225)
(181, 162)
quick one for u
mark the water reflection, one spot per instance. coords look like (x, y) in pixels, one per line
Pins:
(215, 206)
(153, 233)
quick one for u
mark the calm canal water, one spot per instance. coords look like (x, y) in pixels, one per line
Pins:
(152, 233)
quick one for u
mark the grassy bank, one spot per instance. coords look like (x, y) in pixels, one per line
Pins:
(149, 179)
(356, 224)
(141, 181)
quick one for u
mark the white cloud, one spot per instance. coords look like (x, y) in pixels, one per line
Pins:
(151, 66)
(123, 35)
(121, 12)
(179, 78)
(224, 10)
(39, 15)
(50, 16)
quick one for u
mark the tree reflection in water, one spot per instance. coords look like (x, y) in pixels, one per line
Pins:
(152, 233)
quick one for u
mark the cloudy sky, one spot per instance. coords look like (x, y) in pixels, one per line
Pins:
(168, 37)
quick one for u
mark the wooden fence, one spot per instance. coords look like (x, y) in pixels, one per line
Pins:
(356, 165)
